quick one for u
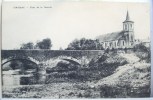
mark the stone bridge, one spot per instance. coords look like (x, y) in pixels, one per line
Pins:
(39, 56)
(40, 60)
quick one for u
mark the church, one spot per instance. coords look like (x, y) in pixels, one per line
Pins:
(122, 39)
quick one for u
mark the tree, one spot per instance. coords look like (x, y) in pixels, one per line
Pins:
(60, 48)
(28, 45)
(74, 45)
(44, 44)
(85, 44)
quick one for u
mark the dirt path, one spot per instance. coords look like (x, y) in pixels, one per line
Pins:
(114, 78)
(131, 58)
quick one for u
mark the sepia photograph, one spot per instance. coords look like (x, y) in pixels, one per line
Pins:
(76, 49)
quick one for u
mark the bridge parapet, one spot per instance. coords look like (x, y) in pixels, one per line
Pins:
(39, 56)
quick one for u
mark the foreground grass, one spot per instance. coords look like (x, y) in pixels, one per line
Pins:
(59, 90)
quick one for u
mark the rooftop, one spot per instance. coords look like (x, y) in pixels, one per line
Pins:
(111, 36)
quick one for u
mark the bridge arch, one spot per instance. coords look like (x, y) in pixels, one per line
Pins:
(70, 59)
(35, 63)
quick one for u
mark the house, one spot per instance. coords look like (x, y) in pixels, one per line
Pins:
(146, 42)
(122, 39)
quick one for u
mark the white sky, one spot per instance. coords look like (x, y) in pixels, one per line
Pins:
(66, 21)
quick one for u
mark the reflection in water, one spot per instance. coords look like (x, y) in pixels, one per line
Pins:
(21, 72)
(18, 77)
(12, 79)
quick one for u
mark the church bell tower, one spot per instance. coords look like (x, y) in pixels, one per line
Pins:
(128, 28)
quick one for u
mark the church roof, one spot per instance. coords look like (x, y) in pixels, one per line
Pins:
(111, 36)
(127, 18)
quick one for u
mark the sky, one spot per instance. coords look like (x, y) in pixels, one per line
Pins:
(63, 22)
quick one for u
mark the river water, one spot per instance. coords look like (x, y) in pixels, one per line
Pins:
(14, 78)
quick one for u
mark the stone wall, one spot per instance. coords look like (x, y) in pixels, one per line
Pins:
(43, 55)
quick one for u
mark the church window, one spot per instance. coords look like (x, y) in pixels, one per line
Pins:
(123, 43)
(118, 43)
(105, 44)
(131, 26)
(131, 38)
(125, 27)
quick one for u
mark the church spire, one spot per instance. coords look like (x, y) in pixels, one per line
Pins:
(127, 16)
(128, 24)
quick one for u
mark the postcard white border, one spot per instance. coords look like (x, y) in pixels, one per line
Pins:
(151, 12)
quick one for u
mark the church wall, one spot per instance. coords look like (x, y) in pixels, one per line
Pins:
(116, 44)
(121, 44)
(111, 44)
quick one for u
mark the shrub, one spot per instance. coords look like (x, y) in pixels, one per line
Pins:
(107, 50)
(62, 66)
(71, 94)
(140, 47)
(113, 91)
(124, 90)
(102, 58)
(79, 95)
(87, 94)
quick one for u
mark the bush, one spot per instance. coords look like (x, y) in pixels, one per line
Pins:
(113, 91)
(140, 47)
(144, 56)
(102, 58)
(62, 66)
(107, 50)
(87, 94)
(79, 95)
(124, 90)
